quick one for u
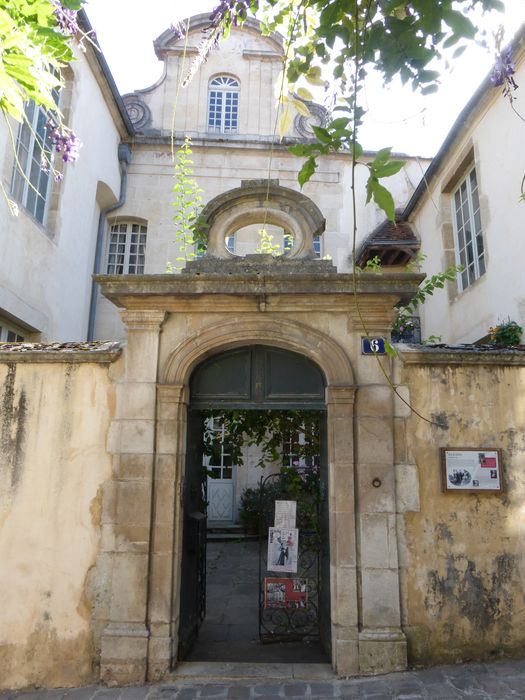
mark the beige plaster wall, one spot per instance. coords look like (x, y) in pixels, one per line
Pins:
(461, 555)
(53, 427)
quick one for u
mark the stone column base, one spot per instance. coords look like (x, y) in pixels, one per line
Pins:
(382, 651)
(124, 653)
(159, 658)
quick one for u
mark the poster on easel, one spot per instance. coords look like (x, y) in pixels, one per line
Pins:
(282, 549)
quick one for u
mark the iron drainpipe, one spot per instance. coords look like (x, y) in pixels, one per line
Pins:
(124, 157)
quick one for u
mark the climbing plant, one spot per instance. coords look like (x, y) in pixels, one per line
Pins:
(187, 202)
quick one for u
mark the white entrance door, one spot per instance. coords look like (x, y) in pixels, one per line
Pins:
(221, 491)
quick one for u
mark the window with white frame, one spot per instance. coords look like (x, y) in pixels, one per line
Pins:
(126, 248)
(223, 105)
(10, 333)
(470, 251)
(31, 185)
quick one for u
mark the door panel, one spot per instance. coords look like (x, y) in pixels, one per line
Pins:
(193, 569)
(220, 499)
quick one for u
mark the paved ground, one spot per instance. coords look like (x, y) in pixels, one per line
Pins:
(497, 681)
(230, 631)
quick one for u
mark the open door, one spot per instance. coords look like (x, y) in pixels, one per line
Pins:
(193, 579)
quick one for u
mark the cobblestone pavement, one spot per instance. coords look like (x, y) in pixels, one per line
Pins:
(503, 680)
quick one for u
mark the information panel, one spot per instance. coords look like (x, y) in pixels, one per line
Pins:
(471, 469)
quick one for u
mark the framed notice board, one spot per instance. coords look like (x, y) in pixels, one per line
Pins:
(471, 469)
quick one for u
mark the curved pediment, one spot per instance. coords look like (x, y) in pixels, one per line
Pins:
(172, 40)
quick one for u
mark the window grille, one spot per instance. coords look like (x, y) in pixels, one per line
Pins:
(223, 105)
(468, 233)
(126, 248)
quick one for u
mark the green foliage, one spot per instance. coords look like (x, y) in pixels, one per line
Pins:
(437, 281)
(189, 235)
(266, 245)
(373, 265)
(33, 49)
(506, 333)
(301, 486)
(266, 429)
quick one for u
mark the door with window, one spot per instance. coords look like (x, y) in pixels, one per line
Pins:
(220, 474)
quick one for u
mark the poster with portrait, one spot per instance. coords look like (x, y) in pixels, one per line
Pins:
(289, 593)
(471, 469)
(282, 549)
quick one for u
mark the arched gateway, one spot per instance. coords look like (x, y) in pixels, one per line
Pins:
(175, 323)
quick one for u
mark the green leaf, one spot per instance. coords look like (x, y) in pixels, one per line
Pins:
(459, 24)
(305, 94)
(389, 169)
(382, 197)
(308, 169)
(314, 76)
(390, 350)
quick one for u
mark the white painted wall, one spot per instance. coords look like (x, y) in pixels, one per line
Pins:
(45, 271)
(495, 134)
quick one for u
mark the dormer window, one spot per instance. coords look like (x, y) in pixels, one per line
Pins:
(223, 105)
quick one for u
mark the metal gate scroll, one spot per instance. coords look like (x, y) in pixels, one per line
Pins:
(289, 599)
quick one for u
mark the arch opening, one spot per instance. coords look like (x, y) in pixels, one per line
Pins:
(274, 586)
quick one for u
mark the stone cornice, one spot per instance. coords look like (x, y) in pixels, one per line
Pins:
(99, 357)
(452, 356)
(166, 291)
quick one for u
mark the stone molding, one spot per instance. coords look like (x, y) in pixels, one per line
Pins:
(288, 335)
(461, 356)
(99, 357)
(340, 394)
(143, 319)
(172, 393)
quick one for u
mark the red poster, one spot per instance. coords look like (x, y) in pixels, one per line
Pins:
(285, 593)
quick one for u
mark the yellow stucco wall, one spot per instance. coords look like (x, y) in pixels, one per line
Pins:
(53, 424)
(462, 555)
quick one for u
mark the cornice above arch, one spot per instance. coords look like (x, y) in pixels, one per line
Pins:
(287, 335)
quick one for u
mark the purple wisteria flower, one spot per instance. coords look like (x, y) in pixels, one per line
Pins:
(503, 70)
(234, 9)
(66, 19)
(64, 141)
(179, 30)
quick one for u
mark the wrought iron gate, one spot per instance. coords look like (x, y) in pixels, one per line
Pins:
(289, 601)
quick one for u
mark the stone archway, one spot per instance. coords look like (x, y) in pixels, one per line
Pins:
(176, 321)
(340, 389)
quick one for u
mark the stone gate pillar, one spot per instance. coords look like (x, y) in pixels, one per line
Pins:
(163, 619)
(343, 565)
(128, 499)
(382, 644)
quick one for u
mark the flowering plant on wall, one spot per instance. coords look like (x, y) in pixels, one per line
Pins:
(506, 333)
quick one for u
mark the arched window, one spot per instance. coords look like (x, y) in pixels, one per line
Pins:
(126, 248)
(223, 104)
